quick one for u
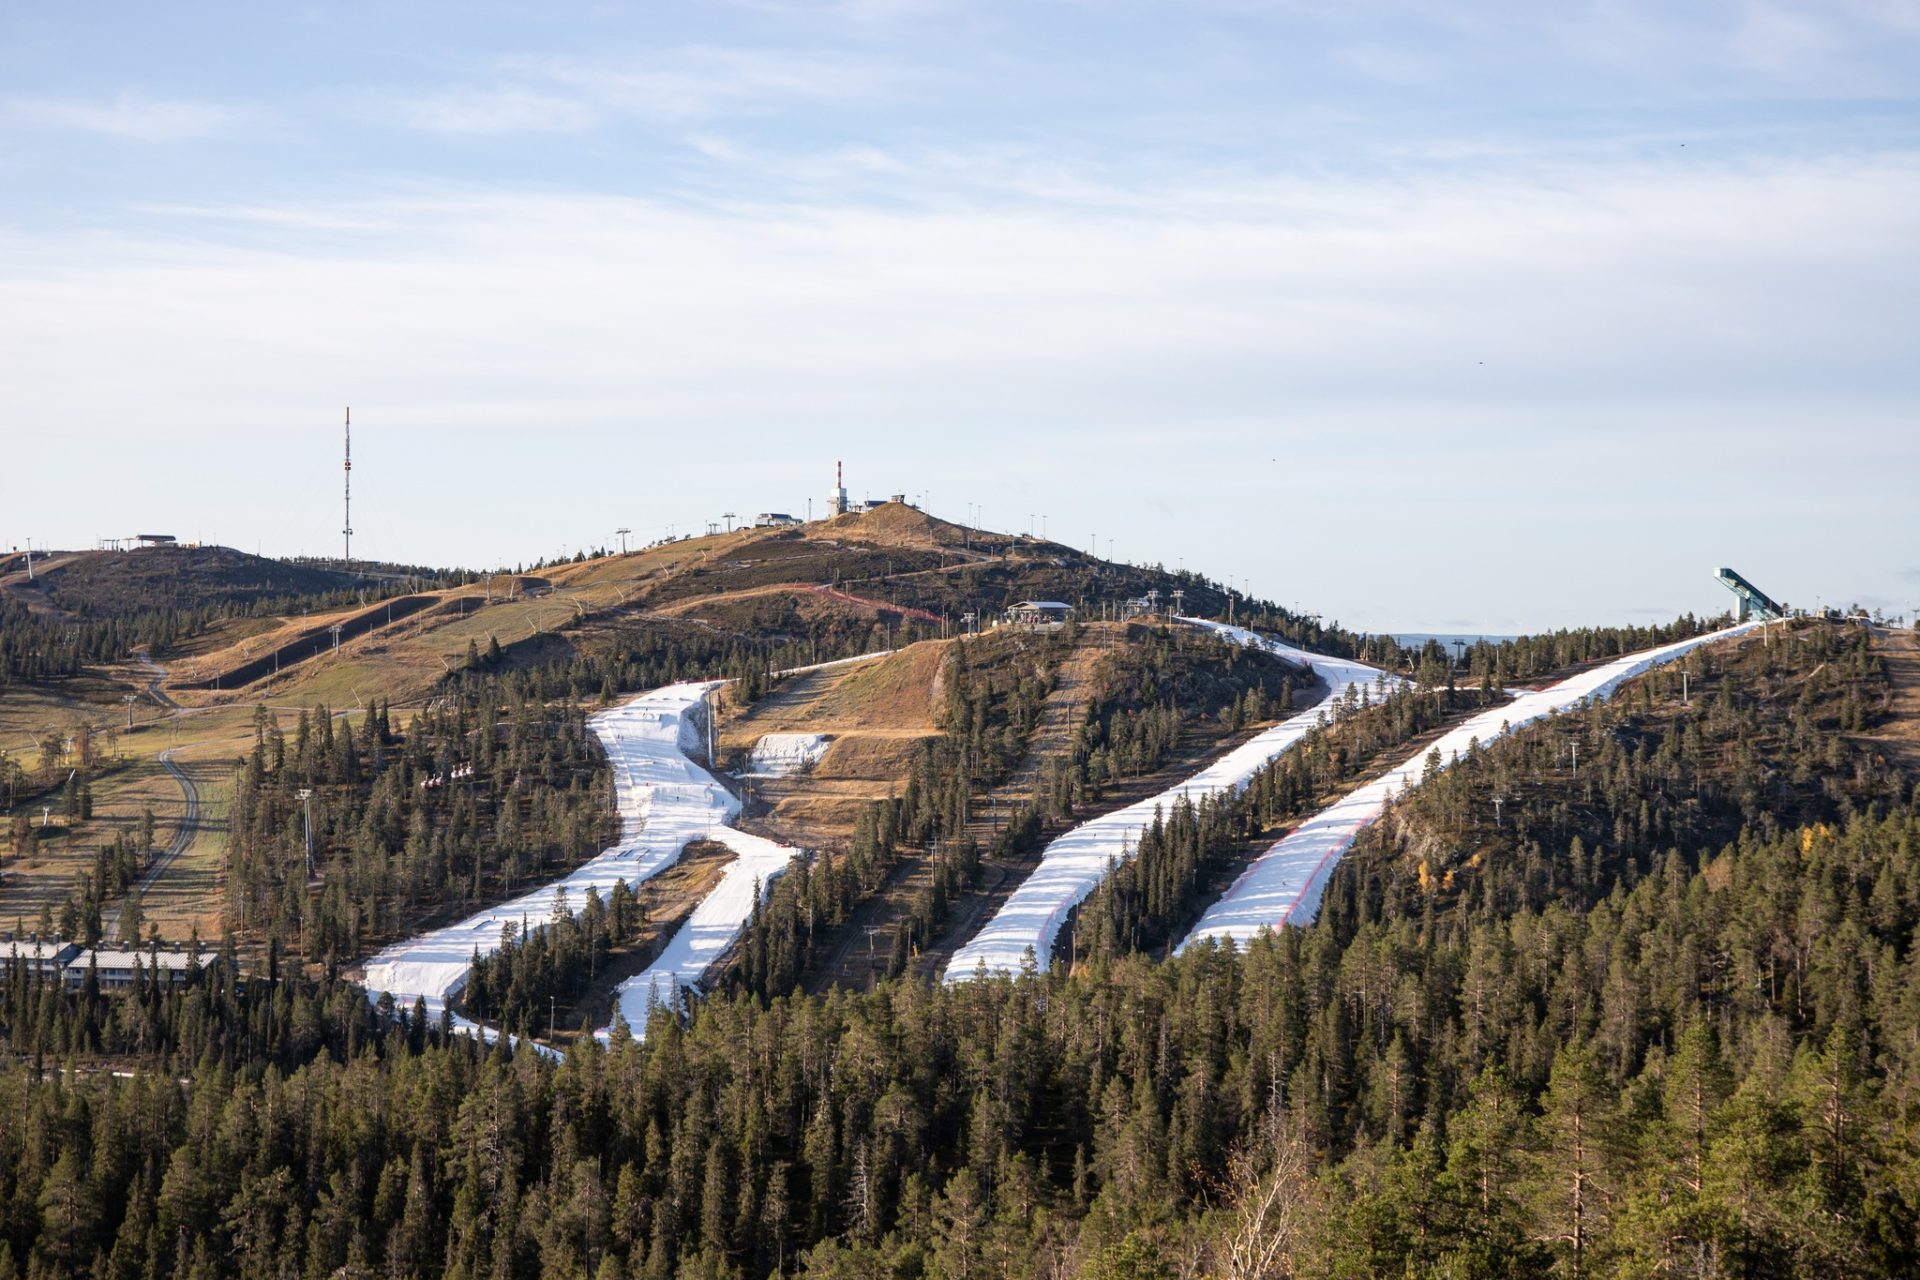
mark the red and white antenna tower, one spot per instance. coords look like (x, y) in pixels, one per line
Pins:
(347, 532)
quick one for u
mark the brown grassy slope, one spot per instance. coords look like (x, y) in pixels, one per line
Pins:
(877, 712)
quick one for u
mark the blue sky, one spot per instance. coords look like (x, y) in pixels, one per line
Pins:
(1484, 317)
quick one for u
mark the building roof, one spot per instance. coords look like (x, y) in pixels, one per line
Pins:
(1042, 604)
(125, 959)
(38, 949)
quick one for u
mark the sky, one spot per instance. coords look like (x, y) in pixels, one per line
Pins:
(1450, 317)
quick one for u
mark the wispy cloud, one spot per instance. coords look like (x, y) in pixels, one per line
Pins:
(681, 86)
(132, 116)
(507, 109)
(1263, 301)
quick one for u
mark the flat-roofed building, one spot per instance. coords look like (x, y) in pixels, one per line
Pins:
(42, 957)
(117, 969)
(1040, 615)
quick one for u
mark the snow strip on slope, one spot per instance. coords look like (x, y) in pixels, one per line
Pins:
(710, 930)
(1076, 862)
(664, 800)
(776, 755)
(1284, 884)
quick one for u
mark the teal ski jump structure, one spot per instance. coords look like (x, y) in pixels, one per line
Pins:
(1754, 603)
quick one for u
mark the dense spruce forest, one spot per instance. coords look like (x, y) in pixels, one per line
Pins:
(1659, 1017)
(497, 785)
(40, 649)
(108, 606)
(1661, 1029)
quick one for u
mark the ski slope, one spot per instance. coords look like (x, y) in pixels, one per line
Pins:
(1076, 862)
(709, 931)
(664, 800)
(1284, 884)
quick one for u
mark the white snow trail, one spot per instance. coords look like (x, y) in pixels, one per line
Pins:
(664, 801)
(1076, 862)
(775, 755)
(1285, 883)
(710, 930)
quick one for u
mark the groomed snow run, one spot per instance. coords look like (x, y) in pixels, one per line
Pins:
(709, 931)
(664, 801)
(1076, 862)
(776, 755)
(1285, 883)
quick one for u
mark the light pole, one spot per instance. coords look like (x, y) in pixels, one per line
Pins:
(305, 796)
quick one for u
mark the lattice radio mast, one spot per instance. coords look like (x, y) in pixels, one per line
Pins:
(347, 533)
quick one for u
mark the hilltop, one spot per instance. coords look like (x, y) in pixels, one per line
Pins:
(118, 583)
(201, 637)
(882, 578)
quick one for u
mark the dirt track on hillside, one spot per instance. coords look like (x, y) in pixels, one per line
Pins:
(1899, 648)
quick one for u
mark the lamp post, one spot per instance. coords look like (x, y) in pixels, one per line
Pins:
(305, 796)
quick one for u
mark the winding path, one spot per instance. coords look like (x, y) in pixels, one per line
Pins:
(189, 816)
(154, 690)
(183, 835)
